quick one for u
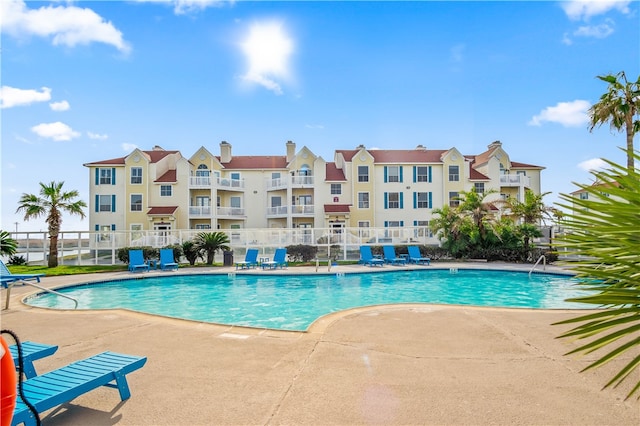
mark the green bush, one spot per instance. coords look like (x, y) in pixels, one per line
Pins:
(302, 253)
(17, 260)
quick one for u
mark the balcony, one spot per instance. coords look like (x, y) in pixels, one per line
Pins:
(230, 213)
(199, 211)
(515, 180)
(289, 181)
(299, 210)
(217, 182)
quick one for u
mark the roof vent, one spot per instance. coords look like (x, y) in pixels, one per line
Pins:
(421, 147)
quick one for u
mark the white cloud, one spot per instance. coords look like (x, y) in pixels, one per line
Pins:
(59, 106)
(267, 49)
(66, 25)
(593, 164)
(182, 7)
(457, 52)
(11, 96)
(597, 31)
(57, 131)
(128, 147)
(578, 10)
(96, 136)
(568, 114)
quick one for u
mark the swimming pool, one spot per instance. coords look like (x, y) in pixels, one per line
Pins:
(293, 302)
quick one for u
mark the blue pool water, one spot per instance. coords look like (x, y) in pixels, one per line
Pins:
(293, 302)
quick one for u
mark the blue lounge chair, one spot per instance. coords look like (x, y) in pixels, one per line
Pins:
(367, 258)
(390, 256)
(31, 351)
(416, 257)
(60, 386)
(7, 277)
(167, 261)
(279, 260)
(136, 261)
(250, 260)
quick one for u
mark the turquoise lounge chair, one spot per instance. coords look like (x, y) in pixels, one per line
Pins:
(367, 258)
(167, 261)
(390, 256)
(31, 351)
(60, 386)
(279, 260)
(416, 257)
(7, 277)
(136, 261)
(250, 260)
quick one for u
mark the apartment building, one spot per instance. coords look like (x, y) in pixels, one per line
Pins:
(160, 190)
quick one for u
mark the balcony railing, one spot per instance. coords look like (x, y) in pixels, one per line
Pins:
(514, 180)
(293, 181)
(218, 182)
(199, 211)
(296, 210)
(235, 212)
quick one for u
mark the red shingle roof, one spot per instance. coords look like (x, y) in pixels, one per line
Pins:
(153, 156)
(165, 210)
(256, 162)
(334, 173)
(169, 176)
(337, 208)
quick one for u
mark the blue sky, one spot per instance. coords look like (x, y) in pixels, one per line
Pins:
(88, 81)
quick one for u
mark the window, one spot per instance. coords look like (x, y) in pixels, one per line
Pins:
(479, 187)
(521, 172)
(453, 199)
(202, 171)
(235, 202)
(584, 195)
(136, 202)
(136, 175)
(363, 200)
(393, 224)
(422, 174)
(393, 200)
(336, 189)
(393, 174)
(105, 203)
(235, 176)
(106, 176)
(136, 231)
(454, 173)
(364, 231)
(276, 201)
(363, 173)
(165, 190)
(422, 200)
(203, 226)
(422, 229)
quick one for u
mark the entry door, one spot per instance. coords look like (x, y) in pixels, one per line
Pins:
(162, 233)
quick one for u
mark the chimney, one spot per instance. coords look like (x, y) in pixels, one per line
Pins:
(157, 148)
(225, 152)
(291, 150)
(494, 144)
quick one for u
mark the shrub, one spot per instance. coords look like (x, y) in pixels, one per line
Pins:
(17, 260)
(301, 252)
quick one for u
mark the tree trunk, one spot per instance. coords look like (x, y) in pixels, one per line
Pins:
(629, 150)
(53, 251)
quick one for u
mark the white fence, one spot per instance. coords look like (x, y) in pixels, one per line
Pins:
(92, 248)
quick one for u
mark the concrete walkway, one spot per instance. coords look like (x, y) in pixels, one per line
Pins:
(392, 365)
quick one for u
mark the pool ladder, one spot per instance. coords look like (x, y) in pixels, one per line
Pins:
(47, 290)
(544, 264)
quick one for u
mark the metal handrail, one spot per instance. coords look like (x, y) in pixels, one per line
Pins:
(544, 263)
(48, 290)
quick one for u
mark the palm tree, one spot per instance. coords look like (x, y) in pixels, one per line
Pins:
(8, 246)
(474, 205)
(604, 241)
(532, 210)
(210, 243)
(620, 107)
(51, 202)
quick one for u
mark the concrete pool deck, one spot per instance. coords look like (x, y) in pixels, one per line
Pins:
(396, 364)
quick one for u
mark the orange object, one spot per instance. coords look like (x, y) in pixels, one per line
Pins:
(8, 384)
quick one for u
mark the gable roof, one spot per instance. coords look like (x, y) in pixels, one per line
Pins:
(162, 210)
(169, 176)
(337, 208)
(153, 157)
